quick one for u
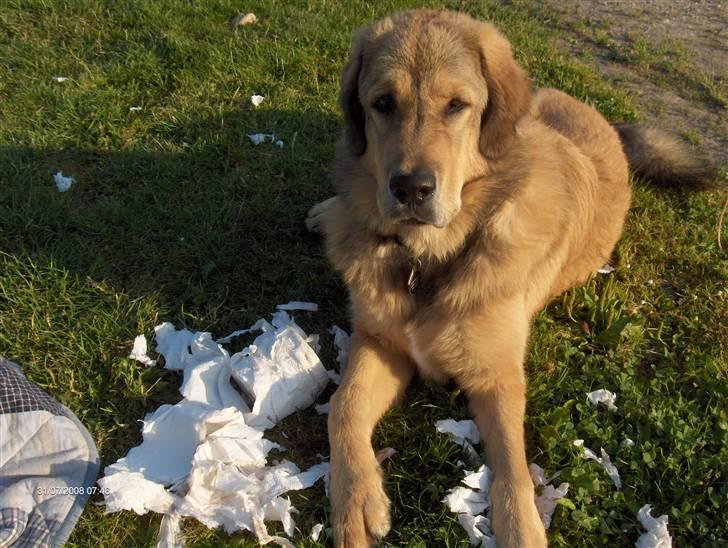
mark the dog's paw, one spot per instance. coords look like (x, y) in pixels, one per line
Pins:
(316, 215)
(360, 516)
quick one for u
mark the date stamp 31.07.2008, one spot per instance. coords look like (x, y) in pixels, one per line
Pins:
(73, 490)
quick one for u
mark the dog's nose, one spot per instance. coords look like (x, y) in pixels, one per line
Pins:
(412, 188)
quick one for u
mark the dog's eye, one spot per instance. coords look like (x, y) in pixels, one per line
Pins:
(384, 104)
(455, 106)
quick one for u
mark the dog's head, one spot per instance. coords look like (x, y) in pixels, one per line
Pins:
(428, 99)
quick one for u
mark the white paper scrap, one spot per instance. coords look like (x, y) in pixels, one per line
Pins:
(546, 501)
(258, 138)
(256, 100)
(243, 19)
(60, 78)
(279, 371)
(459, 430)
(606, 269)
(298, 305)
(605, 463)
(657, 535)
(139, 351)
(384, 454)
(170, 532)
(602, 396)
(316, 531)
(62, 183)
(478, 530)
(132, 491)
(208, 450)
(134, 109)
(342, 341)
(171, 435)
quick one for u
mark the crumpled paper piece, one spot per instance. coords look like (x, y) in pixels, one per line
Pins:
(258, 138)
(546, 501)
(139, 351)
(62, 183)
(206, 457)
(657, 535)
(606, 269)
(243, 19)
(604, 461)
(603, 396)
(279, 371)
(342, 341)
(465, 433)
(256, 100)
(470, 501)
(316, 531)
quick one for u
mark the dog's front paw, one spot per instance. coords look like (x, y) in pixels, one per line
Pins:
(317, 214)
(360, 509)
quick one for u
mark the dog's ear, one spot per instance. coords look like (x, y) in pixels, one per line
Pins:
(351, 107)
(508, 93)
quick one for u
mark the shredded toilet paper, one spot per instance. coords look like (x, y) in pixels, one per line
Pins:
(139, 351)
(602, 396)
(63, 183)
(206, 457)
(606, 463)
(657, 535)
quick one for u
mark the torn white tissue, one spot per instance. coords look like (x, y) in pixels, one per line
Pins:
(316, 531)
(322, 409)
(657, 535)
(342, 341)
(134, 109)
(209, 448)
(459, 430)
(132, 491)
(546, 501)
(298, 305)
(470, 501)
(243, 19)
(258, 138)
(606, 463)
(62, 183)
(384, 454)
(602, 396)
(279, 371)
(170, 532)
(478, 530)
(171, 436)
(627, 443)
(606, 269)
(256, 100)
(463, 433)
(139, 351)
(60, 78)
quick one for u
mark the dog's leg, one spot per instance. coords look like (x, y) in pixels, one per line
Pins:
(374, 380)
(495, 385)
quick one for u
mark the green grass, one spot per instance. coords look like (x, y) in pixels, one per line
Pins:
(177, 217)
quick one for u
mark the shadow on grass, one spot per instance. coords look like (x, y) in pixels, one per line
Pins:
(213, 227)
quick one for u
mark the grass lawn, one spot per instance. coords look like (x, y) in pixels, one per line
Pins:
(177, 217)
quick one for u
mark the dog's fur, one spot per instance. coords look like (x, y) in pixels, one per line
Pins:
(531, 197)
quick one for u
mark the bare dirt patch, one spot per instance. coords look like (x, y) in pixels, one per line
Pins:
(671, 57)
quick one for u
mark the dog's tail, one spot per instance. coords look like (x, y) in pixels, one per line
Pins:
(663, 159)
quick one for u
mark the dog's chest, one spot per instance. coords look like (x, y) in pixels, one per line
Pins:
(426, 366)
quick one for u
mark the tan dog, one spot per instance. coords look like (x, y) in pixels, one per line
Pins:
(464, 204)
